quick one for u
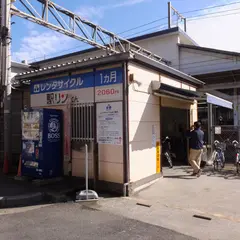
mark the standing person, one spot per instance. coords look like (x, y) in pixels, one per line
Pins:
(196, 138)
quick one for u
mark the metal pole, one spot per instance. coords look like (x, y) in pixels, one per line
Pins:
(86, 169)
(210, 125)
(46, 10)
(185, 24)
(6, 76)
(1, 59)
(169, 15)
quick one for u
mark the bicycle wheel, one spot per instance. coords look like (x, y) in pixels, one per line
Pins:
(169, 160)
(223, 161)
(215, 165)
(238, 167)
(215, 162)
(218, 165)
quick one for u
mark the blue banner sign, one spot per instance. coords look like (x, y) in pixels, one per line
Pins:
(109, 77)
(84, 80)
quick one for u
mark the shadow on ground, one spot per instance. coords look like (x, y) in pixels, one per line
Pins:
(184, 172)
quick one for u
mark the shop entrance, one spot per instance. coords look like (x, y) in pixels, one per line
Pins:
(174, 124)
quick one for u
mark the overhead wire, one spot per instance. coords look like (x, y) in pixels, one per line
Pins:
(213, 7)
(192, 18)
(215, 13)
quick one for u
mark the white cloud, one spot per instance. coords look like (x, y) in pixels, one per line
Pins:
(219, 31)
(37, 45)
(127, 3)
(90, 12)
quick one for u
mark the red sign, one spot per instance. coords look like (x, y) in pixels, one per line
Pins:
(108, 91)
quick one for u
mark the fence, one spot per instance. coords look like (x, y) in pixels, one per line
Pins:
(227, 134)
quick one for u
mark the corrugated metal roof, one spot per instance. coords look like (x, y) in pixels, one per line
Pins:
(67, 64)
(104, 59)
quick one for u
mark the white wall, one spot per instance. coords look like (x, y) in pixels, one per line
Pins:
(164, 45)
(144, 116)
(184, 38)
(196, 62)
(144, 113)
(18, 68)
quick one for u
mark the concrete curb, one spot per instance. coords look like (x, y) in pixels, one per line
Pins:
(44, 194)
(22, 200)
(56, 197)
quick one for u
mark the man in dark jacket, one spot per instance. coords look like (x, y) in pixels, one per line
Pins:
(196, 138)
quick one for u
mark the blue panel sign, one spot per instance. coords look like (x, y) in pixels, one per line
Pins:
(78, 81)
(109, 77)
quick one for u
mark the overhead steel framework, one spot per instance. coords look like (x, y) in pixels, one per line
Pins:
(55, 17)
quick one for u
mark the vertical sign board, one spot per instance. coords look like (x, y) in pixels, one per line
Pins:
(158, 160)
(218, 130)
(108, 85)
(153, 136)
(109, 123)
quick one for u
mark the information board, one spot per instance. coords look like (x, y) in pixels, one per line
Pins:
(109, 123)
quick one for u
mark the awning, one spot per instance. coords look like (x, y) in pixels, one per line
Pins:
(178, 92)
(218, 101)
(170, 91)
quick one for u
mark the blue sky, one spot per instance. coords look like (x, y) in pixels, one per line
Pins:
(33, 42)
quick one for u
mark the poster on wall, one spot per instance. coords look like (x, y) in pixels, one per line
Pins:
(109, 123)
(154, 136)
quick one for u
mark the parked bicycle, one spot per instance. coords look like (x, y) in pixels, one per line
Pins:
(166, 150)
(218, 155)
(237, 149)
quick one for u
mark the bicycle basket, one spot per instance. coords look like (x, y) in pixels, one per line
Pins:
(222, 146)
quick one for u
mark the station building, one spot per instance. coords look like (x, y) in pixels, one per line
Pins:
(121, 105)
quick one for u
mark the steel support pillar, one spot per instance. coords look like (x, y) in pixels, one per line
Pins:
(6, 77)
(210, 125)
(169, 15)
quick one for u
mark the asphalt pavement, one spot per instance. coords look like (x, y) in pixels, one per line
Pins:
(174, 200)
(73, 221)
